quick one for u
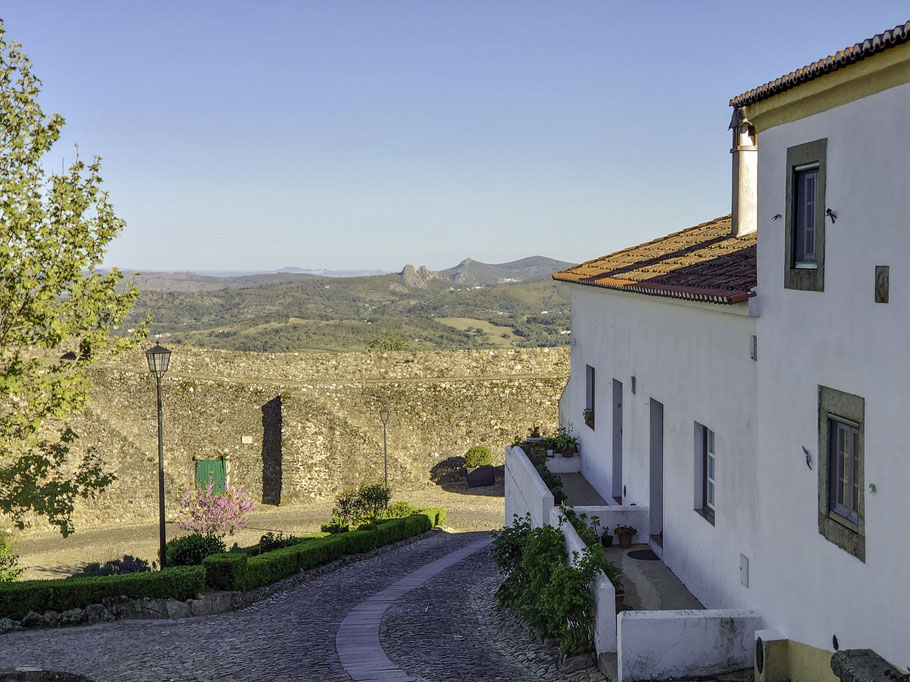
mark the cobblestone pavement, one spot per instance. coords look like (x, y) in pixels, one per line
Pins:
(290, 636)
(447, 629)
(450, 629)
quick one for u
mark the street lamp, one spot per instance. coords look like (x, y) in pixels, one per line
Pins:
(158, 358)
(384, 418)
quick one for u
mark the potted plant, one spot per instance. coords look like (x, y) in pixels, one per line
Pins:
(625, 533)
(548, 444)
(606, 539)
(565, 442)
(478, 464)
(535, 434)
(588, 414)
(614, 575)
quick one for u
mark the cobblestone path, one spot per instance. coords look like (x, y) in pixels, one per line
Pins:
(290, 636)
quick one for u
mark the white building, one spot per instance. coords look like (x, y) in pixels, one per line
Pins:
(756, 407)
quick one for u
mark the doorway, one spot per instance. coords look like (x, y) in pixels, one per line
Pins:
(656, 503)
(617, 441)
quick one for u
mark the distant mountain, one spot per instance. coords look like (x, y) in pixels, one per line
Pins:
(191, 281)
(531, 269)
(332, 273)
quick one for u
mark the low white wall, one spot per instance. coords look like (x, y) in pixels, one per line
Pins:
(613, 516)
(662, 645)
(601, 589)
(525, 493)
(564, 465)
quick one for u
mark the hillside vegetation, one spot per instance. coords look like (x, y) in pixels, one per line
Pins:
(430, 310)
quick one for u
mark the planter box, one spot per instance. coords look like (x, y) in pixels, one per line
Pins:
(480, 476)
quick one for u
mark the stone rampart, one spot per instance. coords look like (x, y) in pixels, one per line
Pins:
(297, 427)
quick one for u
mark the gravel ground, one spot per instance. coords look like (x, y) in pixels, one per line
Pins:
(51, 556)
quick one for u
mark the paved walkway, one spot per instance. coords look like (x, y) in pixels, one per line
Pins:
(357, 641)
(432, 631)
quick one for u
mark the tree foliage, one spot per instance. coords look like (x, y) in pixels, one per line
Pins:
(54, 229)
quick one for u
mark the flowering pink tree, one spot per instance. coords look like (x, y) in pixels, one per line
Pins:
(214, 514)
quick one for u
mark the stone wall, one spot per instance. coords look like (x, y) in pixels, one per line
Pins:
(297, 427)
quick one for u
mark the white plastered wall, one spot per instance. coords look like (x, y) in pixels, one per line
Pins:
(811, 589)
(695, 359)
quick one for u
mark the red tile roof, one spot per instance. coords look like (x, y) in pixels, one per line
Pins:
(702, 263)
(898, 35)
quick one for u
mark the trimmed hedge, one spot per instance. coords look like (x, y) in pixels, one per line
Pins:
(226, 571)
(273, 566)
(18, 598)
(254, 549)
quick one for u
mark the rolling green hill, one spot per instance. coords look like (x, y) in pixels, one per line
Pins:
(345, 314)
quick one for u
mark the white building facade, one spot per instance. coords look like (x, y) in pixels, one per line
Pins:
(760, 420)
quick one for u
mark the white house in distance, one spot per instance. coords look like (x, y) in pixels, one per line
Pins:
(748, 376)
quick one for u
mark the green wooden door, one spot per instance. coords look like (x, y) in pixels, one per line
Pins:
(211, 470)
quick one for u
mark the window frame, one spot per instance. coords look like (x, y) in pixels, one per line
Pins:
(703, 454)
(805, 275)
(847, 531)
(590, 394)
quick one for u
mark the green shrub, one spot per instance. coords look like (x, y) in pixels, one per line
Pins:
(437, 515)
(478, 456)
(9, 569)
(17, 599)
(272, 566)
(190, 550)
(226, 571)
(399, 510)
(332, 528)
(359, 505)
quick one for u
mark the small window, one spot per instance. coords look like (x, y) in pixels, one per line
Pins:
(709, 469)
(805, 199)
(705, 465)
(843, 445)
(588, 412)
(805, 222)
(840, 470)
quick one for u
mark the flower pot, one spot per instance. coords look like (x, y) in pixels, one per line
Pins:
(625, 541)
(606, 540)
(476, 476)
(549, 453)
(569, 452)
(589, 423)
(620, 597)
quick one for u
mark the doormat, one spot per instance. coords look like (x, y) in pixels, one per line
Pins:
(643, 555)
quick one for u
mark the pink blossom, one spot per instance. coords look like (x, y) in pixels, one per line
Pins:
(214, 514)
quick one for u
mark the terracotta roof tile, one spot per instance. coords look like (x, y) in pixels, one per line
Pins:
(898, 35)
(702, 263)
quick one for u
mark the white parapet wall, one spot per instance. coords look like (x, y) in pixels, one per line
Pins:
(664, 645)
(602, 590)
(525, 493)
(612, 516)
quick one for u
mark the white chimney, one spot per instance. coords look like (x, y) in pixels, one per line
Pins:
(745, 175)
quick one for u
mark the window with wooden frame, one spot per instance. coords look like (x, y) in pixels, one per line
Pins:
(805, 222)
(705, 465)
(841, 503)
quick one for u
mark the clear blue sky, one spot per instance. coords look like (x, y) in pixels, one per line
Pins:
(256, 135)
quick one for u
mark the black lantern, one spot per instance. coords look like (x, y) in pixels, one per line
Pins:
(158, 358)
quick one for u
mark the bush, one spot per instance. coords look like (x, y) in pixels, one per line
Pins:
(17, 599)
(400, 510)
(9, 569)
(478, 456)
(553, 598)
(226, 571)
(272, 566)
(128, 564)
(190, 550)
(332, 528)
(214, 514)
(360, 505)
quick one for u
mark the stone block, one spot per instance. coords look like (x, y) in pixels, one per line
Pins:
(177, 609)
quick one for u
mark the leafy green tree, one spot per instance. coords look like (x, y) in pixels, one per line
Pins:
(388, 341)
(57, 310)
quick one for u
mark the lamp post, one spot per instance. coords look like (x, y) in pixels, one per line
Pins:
(384, 418)
(158, 358)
